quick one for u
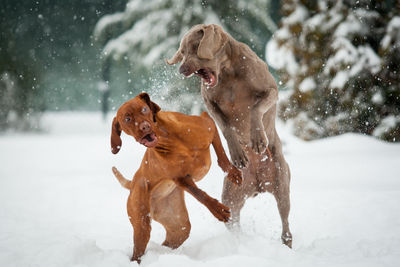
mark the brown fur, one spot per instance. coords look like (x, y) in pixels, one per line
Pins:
(242, 99)
(180, 158)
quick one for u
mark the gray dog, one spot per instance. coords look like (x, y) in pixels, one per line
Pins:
(241, 95)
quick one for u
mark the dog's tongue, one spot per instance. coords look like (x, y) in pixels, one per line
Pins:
(149, 140)
(211, 80)
(207, 76)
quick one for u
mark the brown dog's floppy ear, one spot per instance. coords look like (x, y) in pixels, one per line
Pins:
(176, 58)
(153, 106)
(116, 141)
(214, 38)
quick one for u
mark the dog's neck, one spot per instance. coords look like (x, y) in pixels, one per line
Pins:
(162, 132)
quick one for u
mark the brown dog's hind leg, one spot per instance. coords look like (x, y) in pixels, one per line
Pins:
(171, 212)
(282, 197)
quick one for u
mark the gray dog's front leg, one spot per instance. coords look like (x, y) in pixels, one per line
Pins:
(264, 101)
(238, 156)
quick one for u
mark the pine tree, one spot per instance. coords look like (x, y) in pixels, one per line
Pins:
(340, 62)
(21, 93)
(149, 31)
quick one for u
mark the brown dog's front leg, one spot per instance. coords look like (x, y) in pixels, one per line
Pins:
(234, 174)
(220, 211)
(139, 215)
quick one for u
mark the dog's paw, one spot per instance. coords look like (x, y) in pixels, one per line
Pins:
(259, 140)
(235, 175)
(137, 259)
(287, 239)
(220, 211)
(238, 156)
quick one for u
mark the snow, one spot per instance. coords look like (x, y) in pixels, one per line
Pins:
(346, 54)
(339, 80)
(103, 86)
(392, 32)
(368, 59)
(334, 17)
(141, 18)
(281, 56)
(61, 205)
(387, 124)
(377, 98)
(282, 34)
(106, 21)
(155, 23)
(348, 27)
(350, 60)
(299, 15)
(308, 84)
(314, 22)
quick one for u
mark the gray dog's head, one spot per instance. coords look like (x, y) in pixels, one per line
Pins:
(202, 52)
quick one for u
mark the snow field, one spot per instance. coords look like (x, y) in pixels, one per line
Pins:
(60, 205)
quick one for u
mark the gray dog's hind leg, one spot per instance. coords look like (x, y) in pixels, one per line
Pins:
(233, 197)
(281, 193)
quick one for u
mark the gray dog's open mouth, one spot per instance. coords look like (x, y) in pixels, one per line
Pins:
(208, 76)
(149, 140)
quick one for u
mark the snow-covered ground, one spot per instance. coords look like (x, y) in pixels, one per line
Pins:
(60, 205)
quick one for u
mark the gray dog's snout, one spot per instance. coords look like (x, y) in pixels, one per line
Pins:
(185, 70)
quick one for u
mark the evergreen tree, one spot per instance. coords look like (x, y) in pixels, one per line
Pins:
(21, 101)
(340, 62)
(149, 31)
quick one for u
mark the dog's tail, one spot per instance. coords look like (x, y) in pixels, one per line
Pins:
(121, 179)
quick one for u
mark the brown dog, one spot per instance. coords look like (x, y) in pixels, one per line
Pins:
(177, 155)
(241, 95)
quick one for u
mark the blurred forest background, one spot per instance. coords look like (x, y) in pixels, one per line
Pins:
(338, 62)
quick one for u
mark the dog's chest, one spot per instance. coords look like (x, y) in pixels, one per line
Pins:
(183, 160)
(195, 162)
(231, 100)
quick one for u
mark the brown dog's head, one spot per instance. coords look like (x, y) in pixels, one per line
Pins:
(135, 117)
(201, 52)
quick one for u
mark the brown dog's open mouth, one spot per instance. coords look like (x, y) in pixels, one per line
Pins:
(207, 76)
(149, 140)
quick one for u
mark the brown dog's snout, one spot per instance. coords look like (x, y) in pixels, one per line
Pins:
(185, 69)
(145, 127)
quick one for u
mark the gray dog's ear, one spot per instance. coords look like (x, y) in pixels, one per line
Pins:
(116, 141)
(176, 58)
(214, 38)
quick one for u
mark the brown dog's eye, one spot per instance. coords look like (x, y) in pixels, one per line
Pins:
(144, 109)
(127, 119)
